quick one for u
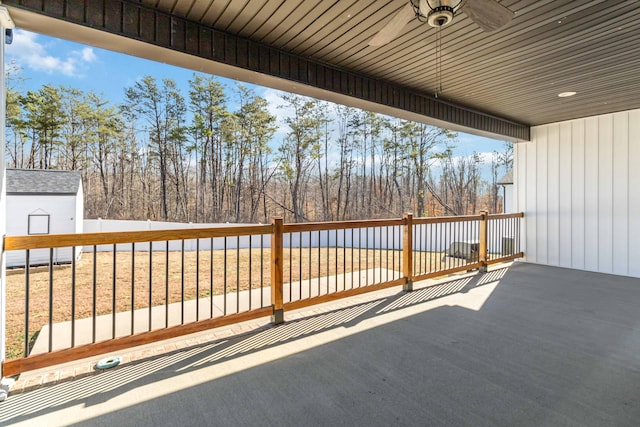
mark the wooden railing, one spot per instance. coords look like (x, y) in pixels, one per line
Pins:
(133, 288)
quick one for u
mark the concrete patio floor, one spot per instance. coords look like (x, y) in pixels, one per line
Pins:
(527, 345)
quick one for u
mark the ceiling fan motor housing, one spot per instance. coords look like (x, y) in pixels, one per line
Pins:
(440, 16)
(439, 13)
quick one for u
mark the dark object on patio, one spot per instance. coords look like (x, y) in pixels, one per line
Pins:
(468, 251)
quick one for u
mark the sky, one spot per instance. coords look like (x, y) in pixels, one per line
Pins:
(47, 60)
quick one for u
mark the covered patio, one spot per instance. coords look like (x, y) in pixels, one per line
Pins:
(554, 340)
(521, 345)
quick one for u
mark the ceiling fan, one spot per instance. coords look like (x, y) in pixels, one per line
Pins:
(489, 15)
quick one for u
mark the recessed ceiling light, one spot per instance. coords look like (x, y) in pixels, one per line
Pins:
(566, 94)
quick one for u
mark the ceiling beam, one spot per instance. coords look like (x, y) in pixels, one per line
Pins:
(152, 27)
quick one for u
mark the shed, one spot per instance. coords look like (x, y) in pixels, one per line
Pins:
(507, 186)
(43, 202)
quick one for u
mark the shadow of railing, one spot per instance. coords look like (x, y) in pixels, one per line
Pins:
(95, 389)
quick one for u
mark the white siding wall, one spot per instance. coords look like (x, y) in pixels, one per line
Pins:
(578, 183)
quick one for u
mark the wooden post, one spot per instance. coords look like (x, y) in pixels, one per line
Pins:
(276, 272)
(483, 248)
(407, 251)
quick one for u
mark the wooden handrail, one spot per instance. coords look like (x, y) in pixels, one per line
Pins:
(505, 215)
(445, 219)
(12, 243)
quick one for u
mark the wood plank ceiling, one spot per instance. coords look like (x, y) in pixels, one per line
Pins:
(551, 46)
(587, 46)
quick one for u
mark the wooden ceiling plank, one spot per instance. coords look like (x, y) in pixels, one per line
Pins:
(262, 17)
(198, 10)
(213, 13)
(232, 11)
(275, 20)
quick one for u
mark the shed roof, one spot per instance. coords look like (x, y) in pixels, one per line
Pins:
(42, 181)
(507, 178)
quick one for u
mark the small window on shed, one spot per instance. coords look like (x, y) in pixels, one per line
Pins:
(38, 224)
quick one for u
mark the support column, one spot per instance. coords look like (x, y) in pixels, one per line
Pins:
(276, 272)
(5, 22)
(407, 251)
(483, 247)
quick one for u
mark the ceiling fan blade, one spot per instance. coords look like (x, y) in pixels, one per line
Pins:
(487, 14)
(393, 27)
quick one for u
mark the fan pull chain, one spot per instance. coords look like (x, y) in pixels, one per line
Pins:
(438, 62)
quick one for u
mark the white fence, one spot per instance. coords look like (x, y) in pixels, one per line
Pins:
(373, 237)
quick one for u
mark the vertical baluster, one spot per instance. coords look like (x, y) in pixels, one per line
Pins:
(27, 270)
(150, 281)
(344, 259)
(352, 243)
(211, 277)
(515, 233)
(386, 264)
(299, 265)
(512, 236)
(328, 274)
(437, 242)
(319, 261)
(224, 278)
(94, 295)
(366, 256)
(251, 272)
(399, 253)
(237, 274)
(133, 286)
(439, 227)
(335, 247)
(420, 255)
(452, 234)
(51, 299)
(197, 279)
(359, 257)
(261, 270)
(518, 231)
(290, 266)
(375, 254)
(113, 290)
(431, 255)
(468, 231)
(166, 285)
(494, 231)
(310, 256)
(73, 296)
(393, 254)
(182, 282)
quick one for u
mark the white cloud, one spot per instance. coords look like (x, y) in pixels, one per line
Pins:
(88, 55)
(276, 108)
(488, 156)
(28, 52)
